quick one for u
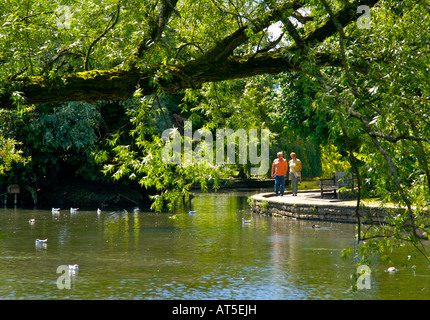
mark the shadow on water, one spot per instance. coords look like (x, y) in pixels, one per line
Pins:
(206, 254)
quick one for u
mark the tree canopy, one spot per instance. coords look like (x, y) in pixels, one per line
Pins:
(106, 50)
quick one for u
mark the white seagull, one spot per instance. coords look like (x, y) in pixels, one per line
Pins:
(245, 221)
(56, 210)
(74, 210)
(40, 241)
(391, 270)
(73, 267)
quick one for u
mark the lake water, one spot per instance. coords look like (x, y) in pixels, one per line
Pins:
(208, 255)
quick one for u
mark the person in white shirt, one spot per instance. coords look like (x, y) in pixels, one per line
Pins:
(295, 171)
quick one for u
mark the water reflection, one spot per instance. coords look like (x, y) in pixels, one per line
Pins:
(132, 254)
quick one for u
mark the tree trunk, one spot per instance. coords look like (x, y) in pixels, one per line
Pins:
(117, 84)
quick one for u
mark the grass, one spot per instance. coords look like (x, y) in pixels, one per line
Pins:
(307, 185)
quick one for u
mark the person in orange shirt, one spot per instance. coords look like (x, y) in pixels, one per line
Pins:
(279, 172)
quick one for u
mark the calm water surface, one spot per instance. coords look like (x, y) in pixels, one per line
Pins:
(208, 255)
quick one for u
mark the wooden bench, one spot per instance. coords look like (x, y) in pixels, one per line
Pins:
(339, 180)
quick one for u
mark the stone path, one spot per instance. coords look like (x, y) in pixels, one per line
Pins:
(309, 205)
(309, 197)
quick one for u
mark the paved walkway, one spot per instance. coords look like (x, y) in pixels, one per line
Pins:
(309, 205)
(309, 197)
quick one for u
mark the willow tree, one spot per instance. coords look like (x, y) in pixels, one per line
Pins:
(368, 61)
(386, 109)
(116, 49)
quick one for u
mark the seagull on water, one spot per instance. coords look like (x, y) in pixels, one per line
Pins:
(316, 226)
(391, 270)
(32, 221)
(192, 212)
(40, 241)
(74, 210)
(99, 211)
(73, 267)
(56, 210)
(245, 221)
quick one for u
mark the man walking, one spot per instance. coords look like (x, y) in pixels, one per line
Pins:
(279, 172)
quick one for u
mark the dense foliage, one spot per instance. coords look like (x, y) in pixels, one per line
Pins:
(9, 154)
(384, 112)
(306, 70)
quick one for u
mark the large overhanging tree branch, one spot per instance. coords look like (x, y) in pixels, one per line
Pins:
(217, 64)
